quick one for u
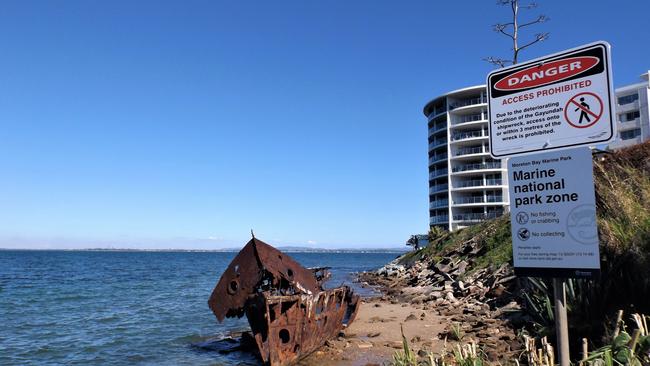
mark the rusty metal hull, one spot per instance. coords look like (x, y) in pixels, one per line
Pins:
(289, 311)
(291, 327)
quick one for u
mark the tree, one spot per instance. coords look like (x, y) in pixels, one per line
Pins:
(511, 30)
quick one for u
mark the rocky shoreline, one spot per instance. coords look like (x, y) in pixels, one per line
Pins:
(483, 304)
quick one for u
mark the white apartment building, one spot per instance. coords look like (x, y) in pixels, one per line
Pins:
(466, 186)
(632, 115)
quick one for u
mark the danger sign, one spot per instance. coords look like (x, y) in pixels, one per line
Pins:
(555, 102)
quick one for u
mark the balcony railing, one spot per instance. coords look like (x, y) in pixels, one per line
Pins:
(493, 182)
(470, 150)
(467, 200)
(439, 188)
(435, 158)
(435, 143)
(469, 118)
(468, 135)
(437, 128)
(470, 183)
(439, 219)
(437, 173)
(476, 217)
(466, 102)
(438, 203)
(437, 110)
(495, 198)
(478, 166)
(481, 199)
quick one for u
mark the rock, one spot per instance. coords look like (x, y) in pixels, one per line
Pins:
(462, 266)
(498, 291)
(423, 353)
(410, 317)
(461, 285)
(377, 305)
(374, 334)
(394, 344)
(450, 297)
(492, 355)
(409, 291)
(364, 345)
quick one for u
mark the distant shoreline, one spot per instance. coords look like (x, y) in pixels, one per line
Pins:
(229, 250)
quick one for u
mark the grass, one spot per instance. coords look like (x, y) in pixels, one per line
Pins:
(463, 354)
(622, 182)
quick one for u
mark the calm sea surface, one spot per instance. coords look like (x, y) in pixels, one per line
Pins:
(117, 308)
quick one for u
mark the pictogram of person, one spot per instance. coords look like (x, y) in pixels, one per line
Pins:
(583, 113)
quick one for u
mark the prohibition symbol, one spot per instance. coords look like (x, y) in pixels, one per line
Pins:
(583, 110)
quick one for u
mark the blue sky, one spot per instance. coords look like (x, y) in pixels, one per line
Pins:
(160, 124)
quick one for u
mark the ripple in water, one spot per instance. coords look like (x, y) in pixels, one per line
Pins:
(116, 308)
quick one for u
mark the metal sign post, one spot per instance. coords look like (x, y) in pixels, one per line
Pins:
(561, 321)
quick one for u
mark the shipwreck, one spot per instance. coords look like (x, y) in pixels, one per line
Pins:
(290, 312)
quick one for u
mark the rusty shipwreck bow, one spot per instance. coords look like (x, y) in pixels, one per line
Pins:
(289, 311)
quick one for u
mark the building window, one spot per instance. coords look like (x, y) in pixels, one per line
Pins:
(628, 99)
(630, 134)
(630, 116)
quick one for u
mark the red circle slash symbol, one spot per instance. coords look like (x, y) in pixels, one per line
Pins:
(586, 109)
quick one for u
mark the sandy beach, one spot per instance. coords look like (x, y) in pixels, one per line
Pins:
(375, 334)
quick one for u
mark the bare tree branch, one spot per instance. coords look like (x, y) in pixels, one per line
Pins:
(502, 28)
(538, 38)
(529, 6)
(540, 19)
(497, 61)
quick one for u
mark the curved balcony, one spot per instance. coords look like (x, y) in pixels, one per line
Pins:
(470, 183)
(495, 165)
(436, 158)
(476, 217)
(435, 129)
(462, 136)
(439, 219)
(473, 183)
(478, 200)
(438, 204)
(466, 102)
(437, 173)
(471, 151)
(470, 118)
(437, 143)
(438, 188)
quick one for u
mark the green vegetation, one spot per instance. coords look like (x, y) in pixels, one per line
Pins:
(493, 236)
(466, 354)
(623, 348)
(622, 182)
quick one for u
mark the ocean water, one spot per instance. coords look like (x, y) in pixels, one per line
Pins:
(124, 308)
